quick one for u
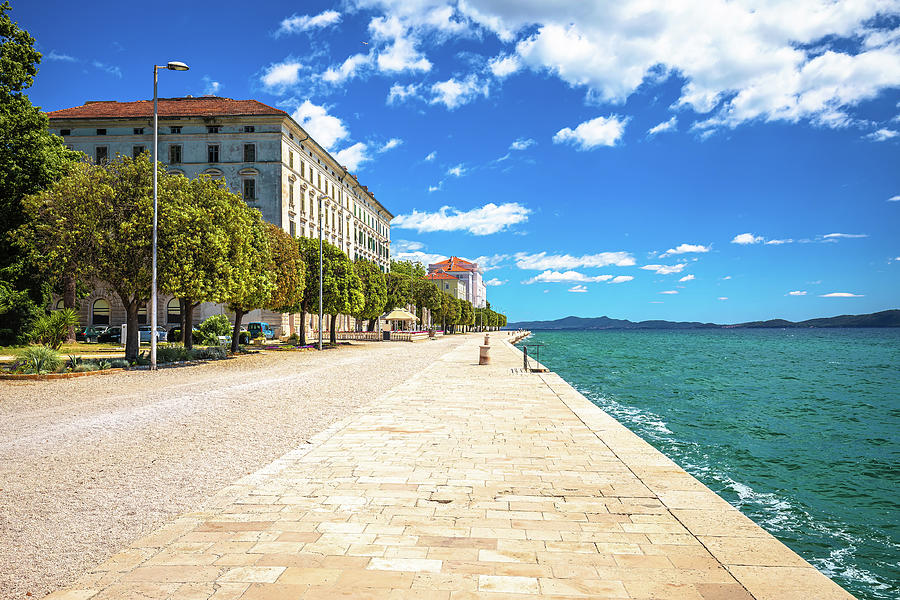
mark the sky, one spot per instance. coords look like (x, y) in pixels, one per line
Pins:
(722, 161)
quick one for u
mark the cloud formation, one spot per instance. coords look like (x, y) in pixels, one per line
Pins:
(578, 288)
(669, 125)
(602, 131)
(279, 76)
(353, 156)
(841, 295)
(797, 293)
(685, 249)
(686, 278)
(495, 282)
(665, 269)
(490, 218)
(298, 23)
(835, 236)
(566, 277)
(522, 144)
(542, 260)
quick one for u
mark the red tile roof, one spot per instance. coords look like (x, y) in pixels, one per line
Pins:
(454, 264)
(202, 106)
(439, 275)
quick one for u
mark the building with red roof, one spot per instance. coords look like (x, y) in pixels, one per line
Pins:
(468, 275)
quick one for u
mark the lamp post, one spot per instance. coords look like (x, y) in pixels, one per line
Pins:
(171, 66)
(321, 197)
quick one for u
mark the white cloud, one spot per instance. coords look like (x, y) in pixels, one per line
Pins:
(391, 144)
(670, 125)
(834, 236)
(324, 128)
(620, 279)
(454, 93)
(489, 263)
(399, 93)
(353, 156)
(421, 257)
(882, 135)
(279, 76)
(602, 131)
(665, 269)
(457, 171)
(522, 144)
(779, 242)
(398, 51)
(726, 278)
(578, 288)
(211, 88)
(495, 282)
(566, 277)
(296, 23)
(894, 198)
(797, 293)
(348, 69)
(669, 292)
(406, 245)
(431, 156)
(542, 260)
(435, 188)
(490, 218)
(504, 65)
(685, 249)
(747, 238)
(686, 278)
(54, 55)
(723, 298)
(111, 69)
(841, 295)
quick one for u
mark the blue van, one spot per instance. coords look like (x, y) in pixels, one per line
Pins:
(260, 329)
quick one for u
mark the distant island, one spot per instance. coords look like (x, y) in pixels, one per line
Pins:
(885, 318)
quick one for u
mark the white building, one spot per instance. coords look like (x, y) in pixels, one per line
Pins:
(468, 274)
(261, 152)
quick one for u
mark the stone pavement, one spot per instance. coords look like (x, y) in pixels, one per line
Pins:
(464, 482)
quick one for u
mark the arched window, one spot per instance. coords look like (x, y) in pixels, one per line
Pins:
(173, 311)
(142, 315)
(60, 304)
(100, 312)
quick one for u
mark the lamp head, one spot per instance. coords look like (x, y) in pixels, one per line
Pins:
(323, 197)
(174, 65)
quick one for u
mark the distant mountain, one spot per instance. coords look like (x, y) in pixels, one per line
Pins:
(885, 318)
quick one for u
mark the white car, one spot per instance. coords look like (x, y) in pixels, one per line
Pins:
(144, 332)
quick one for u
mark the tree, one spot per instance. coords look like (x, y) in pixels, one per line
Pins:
(289, 270)
(349, 298)
(30, 159)
(374, 290)
(253, 280)
(336, 286)
(199, 230)
(399, 288)
(467, 317)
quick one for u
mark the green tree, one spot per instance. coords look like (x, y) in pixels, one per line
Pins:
(467, 317)
(349, 298)
(253, 281)
(374, 290)
(399, 288)
(411, 269)
(30, 159)
(200, 229)
(289, 270)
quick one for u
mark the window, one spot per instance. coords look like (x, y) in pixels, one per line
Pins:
(101, 154)
(138, 131)
(174, 154)
(249, 152)
(249, 190)
(291, 194)
(137, 151)
(100, 312)
(302, 169)
(65, 132)
(212, 153)
(175, 129)
(101, 132)
(249, 128)
(173, 311)
(212, 129)
(290, 159)
(293, 229)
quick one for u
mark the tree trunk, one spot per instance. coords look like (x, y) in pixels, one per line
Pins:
(371, 325)
(187, 322)
(302, 328)
(332, 335)
(236, 334)
(132, 335)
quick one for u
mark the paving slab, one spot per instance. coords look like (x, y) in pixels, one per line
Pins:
(466, 481)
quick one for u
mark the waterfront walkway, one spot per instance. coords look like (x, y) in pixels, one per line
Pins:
(464, 482)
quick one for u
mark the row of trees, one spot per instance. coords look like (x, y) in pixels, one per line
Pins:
(95, 222)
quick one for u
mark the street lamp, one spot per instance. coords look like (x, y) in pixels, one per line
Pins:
(171, 66)
(321, 197)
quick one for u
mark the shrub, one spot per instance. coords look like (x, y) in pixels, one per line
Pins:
(53, 329)
(167, 354)
(212, 328)
(118, 363)
(212, 353)
(175, 335)
(40, 359)
(84, 367)
(293, 339)
(102, 365)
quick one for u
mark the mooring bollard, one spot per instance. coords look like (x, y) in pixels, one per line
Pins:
(484, 355)
(487, 339)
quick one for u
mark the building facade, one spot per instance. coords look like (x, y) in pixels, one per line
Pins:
(263, 155)
(448, 283)
(469, 276)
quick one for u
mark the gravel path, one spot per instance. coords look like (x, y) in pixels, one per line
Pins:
(88, 465)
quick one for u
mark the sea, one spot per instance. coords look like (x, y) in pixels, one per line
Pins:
(797, 428)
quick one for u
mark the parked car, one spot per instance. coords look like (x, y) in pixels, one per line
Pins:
(89, 333)
(258, 328)
(144, 332)
(112, 335)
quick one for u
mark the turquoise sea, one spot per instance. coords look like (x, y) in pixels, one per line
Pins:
(798, 428)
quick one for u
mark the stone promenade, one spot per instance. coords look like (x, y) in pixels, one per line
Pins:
(464, 482)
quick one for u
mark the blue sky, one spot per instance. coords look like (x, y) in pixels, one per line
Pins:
(723, 162)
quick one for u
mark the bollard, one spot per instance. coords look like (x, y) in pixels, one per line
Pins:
(484, 355)
(487, 339)
(525, 358)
